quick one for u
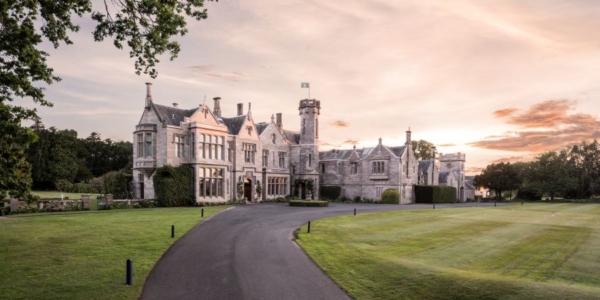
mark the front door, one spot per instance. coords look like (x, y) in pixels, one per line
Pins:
(303, 191)
(141, 180)
(247, 190)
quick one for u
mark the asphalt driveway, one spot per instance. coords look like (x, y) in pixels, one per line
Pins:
(247, 252)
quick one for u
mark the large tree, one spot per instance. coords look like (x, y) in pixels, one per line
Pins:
(499, 177)
(552, 174)
(146, 27)
(422, 149)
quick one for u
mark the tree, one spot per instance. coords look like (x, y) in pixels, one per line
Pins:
(551, 174)
(146, 26)
(422, 149)
(585, 160)
(498, 177)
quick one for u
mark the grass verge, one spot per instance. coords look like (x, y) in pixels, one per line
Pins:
(81, 255)
(535, 251)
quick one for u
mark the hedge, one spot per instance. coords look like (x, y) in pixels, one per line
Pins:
(309, 203)
(435, 194)
(330, 192)
(390, 196)
(173, 186)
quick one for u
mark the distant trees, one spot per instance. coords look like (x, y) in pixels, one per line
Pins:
(59, 158)
(573, 172)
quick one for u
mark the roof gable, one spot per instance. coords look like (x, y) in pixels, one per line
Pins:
(172, 115)
(266, 132)
(204, 115)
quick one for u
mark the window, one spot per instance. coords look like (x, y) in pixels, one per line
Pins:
(273, 138)
(282, 160)
(193, 145)
(303, 126)
(249, 152)
(203, 146)
(340, 168)
(378, 191)
(149, 145)
(179, 145)
(317, 127)
(210, 182)
(310, 160)
(322, 168)
(378, 167)
(140, 145)
(277, 186)
(249, 128)
(230, 152)
(265, 158)
(222, 148)
(353, 168)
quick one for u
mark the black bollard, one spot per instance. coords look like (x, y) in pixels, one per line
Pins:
(355, 211)
(494, 203)
(172, 231)
(433, 205)
(129, 272)
(202, 213)
(308, 227)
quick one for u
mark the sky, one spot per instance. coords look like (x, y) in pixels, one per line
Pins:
(497, 80)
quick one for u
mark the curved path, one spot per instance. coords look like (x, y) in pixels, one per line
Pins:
(247, 252)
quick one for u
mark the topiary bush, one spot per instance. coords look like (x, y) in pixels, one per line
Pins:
(173, 186)
(435, 194)
(309, 203)
(390, 196)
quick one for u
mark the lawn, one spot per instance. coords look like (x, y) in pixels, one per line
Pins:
(56, 195)
(535, 251)
(81, 255)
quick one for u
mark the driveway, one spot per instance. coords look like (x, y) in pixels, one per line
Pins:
(247, 252)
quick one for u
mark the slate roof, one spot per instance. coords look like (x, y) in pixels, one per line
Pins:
(444, 176)
(172, 115)
(292, 136)
(469, 185)
(398, 150)
(260, 127)
(424, 166)
(335, 154)
(234, 124)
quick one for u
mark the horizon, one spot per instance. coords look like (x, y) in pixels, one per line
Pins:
(497, 81)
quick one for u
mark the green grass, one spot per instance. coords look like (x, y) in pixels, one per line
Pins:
(81, 255)
(535, 251)
(56, 195)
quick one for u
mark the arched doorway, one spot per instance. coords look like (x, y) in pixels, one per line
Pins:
(303, 191)
(248, 189)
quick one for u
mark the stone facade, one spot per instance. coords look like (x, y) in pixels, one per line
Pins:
(232, 158)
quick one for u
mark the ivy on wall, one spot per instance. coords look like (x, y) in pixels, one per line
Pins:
(173, 186)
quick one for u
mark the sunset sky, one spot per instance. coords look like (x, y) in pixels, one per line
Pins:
(493, 79)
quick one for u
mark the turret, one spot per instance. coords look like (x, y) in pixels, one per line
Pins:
(309, 111)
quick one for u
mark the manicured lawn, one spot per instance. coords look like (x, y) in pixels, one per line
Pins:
(56, 195)
(535, 251)
(81, 255)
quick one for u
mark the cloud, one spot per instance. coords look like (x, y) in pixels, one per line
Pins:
(447, 145)
(210, 71)
(513, 159)
(339, 123)
(474, 170)
(351, 142)
(544, 126)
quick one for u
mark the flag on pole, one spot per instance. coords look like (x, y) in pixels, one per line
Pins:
(304, 85)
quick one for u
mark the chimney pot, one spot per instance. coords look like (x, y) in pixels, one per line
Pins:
(217, 107)
(148, 93)
(279, 121)
(175, 104)
(240, 107)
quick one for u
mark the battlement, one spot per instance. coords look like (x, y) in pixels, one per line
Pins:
(309, 103)
(452, 157)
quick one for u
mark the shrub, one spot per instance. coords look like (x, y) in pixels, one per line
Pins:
(357, 199)
(118, 184)
(330, 192)
(173, 186)
(528, 193)
(435, 194)
(390, 196)
(62, 185)
(309, 203)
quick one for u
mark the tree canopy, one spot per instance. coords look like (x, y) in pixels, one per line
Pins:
(422, 149)
(146, 27)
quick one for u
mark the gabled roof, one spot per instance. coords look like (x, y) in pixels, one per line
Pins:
(398, 150)
(469, 185)
(424, 165)
(292, 136)
(234, 124)
(172, 115)
(260, 127)
(444, 176)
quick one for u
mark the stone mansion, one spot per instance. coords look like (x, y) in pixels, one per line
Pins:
(238, 158)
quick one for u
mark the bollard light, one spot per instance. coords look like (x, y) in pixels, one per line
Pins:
(308, 227)
(129, 272)
(172, 231)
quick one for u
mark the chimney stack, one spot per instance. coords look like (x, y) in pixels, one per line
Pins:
(217, 107)
(408, 133)
(148, 94)
(240, 109)
(279, 121)
(175, 104)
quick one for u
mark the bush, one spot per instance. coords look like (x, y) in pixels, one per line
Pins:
(309, 203)
(118, 184)
(330, 192)
(435, 194)
(528, 193)
(173, 186)
(390, 196)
